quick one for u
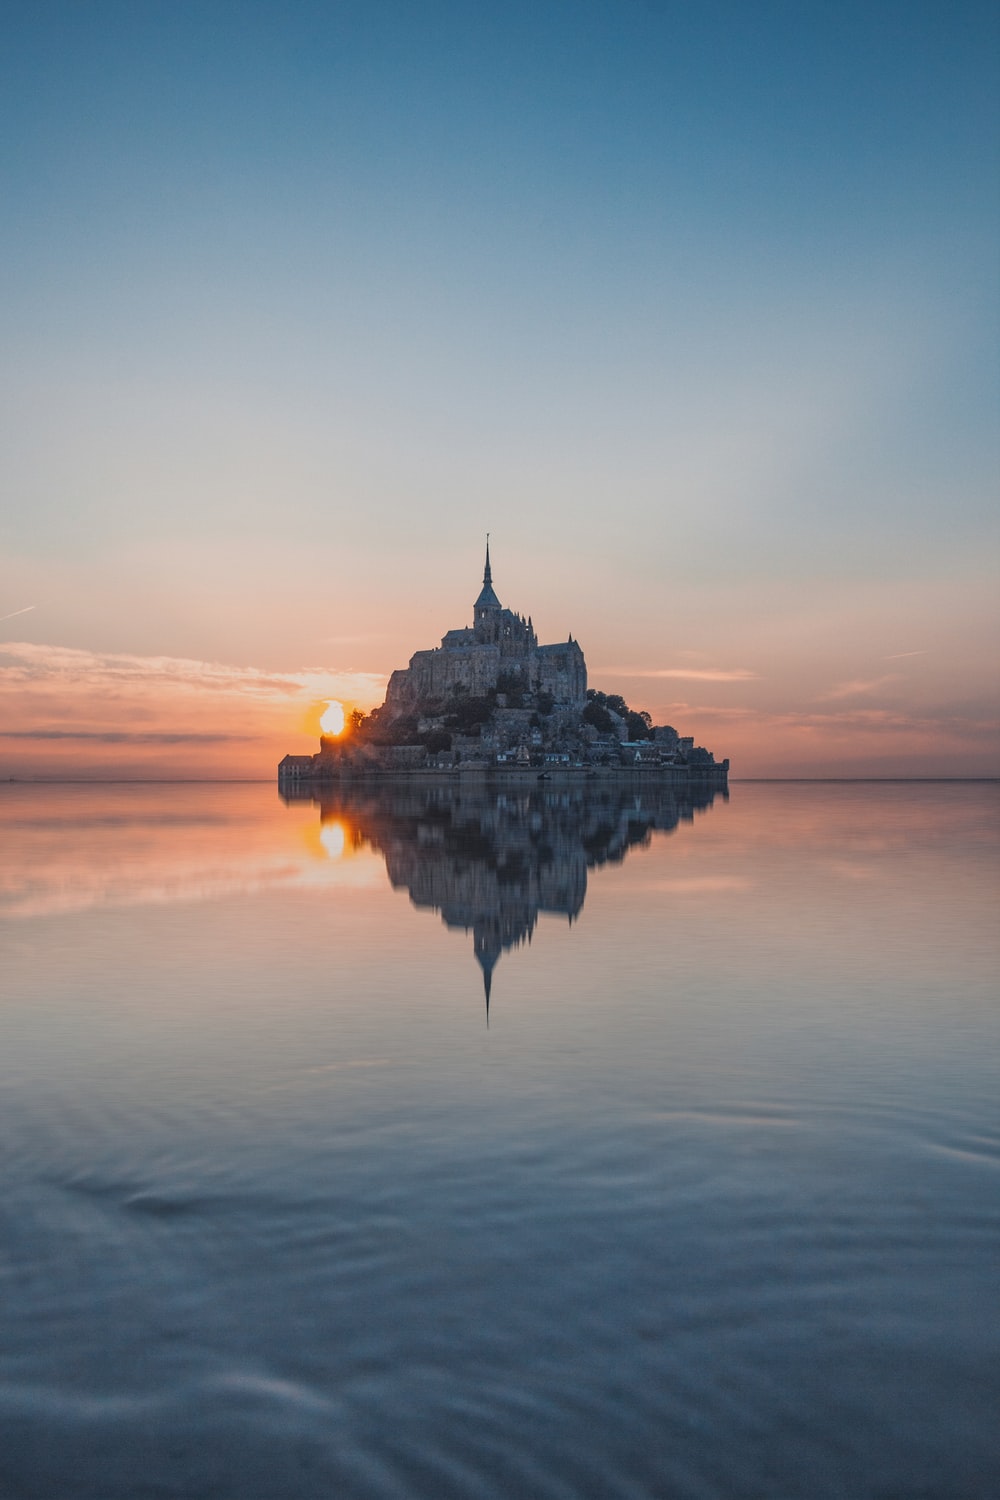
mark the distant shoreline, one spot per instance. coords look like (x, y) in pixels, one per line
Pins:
(402, 775)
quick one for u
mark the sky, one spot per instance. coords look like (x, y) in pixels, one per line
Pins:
(694, 308)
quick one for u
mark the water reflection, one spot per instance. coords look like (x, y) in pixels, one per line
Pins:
(713, 1212)
(490, 863)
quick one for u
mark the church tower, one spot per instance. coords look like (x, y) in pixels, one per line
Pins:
(487, 608)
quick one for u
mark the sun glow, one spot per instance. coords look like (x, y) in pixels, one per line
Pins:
(333, 838)
(332, 720)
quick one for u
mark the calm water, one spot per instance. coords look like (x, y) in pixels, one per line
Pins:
(709, 1208)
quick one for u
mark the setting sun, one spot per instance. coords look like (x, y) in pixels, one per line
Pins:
(332, 720)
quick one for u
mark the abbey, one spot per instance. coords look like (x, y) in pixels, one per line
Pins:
(490, 701)
(499, 651)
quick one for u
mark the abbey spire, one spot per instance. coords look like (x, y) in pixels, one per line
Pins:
(498, 653)
(487, 608)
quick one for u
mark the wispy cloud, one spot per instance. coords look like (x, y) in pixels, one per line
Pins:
(119, 736)
(64, 707)
(973, 723)
(32, 662)
(689, 674)
(858, 688)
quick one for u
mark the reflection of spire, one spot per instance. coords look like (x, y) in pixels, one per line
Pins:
(492, 862)
(487, 953)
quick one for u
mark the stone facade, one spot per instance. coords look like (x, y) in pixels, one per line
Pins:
(499, 648)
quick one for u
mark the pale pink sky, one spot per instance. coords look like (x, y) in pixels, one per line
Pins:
(891, 680)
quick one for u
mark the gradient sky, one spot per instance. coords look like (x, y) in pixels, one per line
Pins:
(693, 306)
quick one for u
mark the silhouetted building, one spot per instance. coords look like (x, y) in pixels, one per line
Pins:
(499, 649)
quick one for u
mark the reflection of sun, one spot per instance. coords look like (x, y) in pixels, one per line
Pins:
(332, 720)
(331, 836)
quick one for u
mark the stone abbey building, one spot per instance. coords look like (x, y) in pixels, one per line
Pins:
(498, 651)
(491, 700)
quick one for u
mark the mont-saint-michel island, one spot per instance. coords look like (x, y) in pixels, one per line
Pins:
(491, 701)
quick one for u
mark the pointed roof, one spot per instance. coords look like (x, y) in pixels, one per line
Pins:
(487, 599)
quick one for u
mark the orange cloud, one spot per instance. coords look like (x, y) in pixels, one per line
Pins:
(692, 674)
(943, 740)
(75, 712)
(859, 687)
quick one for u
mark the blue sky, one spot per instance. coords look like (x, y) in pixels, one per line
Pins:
(693, 306)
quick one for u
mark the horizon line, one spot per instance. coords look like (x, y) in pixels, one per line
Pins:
(269, 781)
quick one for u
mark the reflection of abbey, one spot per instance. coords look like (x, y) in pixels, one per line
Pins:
(498, 651)
(492, 862)
(491, 701)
